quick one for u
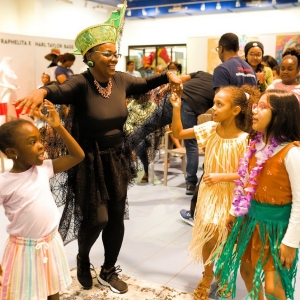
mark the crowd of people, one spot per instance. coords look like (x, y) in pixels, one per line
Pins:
(245, 209)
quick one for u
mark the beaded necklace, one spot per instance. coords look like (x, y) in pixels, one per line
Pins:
(104, 92)
(243, 196)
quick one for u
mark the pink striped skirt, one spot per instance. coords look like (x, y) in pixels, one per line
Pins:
(34, 269)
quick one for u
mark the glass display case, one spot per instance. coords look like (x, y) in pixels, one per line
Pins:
(147, 57)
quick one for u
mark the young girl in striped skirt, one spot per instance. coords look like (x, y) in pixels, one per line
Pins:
(34, 263)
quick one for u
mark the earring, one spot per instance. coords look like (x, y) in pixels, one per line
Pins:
(16, 157)
(90, 63)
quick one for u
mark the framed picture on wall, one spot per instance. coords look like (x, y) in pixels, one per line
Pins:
(283, 42)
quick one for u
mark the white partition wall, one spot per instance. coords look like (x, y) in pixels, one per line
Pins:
(28, 61)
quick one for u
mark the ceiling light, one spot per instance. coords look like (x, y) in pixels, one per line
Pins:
(218, 6)
(177, 8)
(129, 13)
(238, 3)
(144, 12)
(66, 1)
(274, 2)
(202, 7)
(157, 10)
(100, 8)
(256, 3)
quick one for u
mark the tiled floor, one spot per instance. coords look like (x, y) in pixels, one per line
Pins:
(156, 239)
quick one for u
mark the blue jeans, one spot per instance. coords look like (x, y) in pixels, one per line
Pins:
(189, 119)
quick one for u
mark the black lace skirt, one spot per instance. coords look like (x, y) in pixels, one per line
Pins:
(104, 174)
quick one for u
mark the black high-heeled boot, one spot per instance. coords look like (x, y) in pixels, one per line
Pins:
(84, 273)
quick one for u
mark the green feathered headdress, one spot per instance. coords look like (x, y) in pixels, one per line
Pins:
(108, 32)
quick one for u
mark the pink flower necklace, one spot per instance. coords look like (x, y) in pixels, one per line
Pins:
(243, 196)
(104, 92)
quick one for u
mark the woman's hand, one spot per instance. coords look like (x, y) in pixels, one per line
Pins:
(175, 98)
(229, 222)
(30, 102)
(212, 178)
(49, 114)
(261, 77)
(287, 255)
(175, 83)
(174, 79)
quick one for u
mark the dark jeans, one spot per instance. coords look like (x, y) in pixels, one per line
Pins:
(189, 120)
(195, 195)
(141, 152)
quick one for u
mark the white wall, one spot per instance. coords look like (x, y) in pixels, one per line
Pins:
(9, 16)
(49, 18)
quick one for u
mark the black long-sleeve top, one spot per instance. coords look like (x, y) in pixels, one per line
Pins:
(98, 116)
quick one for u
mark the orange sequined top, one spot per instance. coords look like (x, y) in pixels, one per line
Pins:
(273, 188)
(273, 180)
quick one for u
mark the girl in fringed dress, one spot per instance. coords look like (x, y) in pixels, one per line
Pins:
(264, 218)
(225, 140)
(34, 263)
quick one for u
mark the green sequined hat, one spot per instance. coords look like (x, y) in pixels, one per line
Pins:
(108, 32)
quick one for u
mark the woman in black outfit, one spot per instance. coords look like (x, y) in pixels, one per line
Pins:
(97, 187)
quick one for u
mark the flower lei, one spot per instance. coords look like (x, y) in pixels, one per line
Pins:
(243, 196)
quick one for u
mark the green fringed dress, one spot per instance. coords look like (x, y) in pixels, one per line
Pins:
(256, 238)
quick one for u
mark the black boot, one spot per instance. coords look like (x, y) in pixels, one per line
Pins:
(84, 273)
(111, 279)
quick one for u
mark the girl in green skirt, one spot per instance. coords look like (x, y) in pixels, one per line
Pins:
(264, 218)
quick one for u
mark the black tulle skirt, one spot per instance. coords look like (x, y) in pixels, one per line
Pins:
(102, 176)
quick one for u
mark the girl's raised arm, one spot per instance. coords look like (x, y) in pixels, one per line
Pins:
(177, 129)
(75, 153)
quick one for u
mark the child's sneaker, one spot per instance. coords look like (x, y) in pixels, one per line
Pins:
(187, 217)
(111, 279)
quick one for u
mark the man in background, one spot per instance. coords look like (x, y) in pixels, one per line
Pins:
(233, 70)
